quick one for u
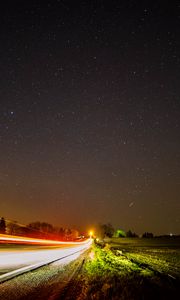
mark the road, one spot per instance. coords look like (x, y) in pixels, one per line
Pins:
(16, 259)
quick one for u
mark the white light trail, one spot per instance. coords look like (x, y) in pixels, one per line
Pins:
(15, 263)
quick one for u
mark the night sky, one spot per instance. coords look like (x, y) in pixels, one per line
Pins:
(90, 113)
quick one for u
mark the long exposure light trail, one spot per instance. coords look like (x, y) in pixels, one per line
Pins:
(17, 261)
(17, 239)
(20, 258)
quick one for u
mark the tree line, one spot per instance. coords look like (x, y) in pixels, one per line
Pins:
(107, 230)
(2, 226)
(44, 230)
(41, 230)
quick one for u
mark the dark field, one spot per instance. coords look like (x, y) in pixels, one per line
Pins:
(133, 269)
(160, 255)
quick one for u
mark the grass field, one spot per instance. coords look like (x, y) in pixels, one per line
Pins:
(160, 255)
(133, 269)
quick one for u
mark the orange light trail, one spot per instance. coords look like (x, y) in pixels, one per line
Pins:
(17, 239)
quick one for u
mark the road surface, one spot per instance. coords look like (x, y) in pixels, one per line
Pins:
(16, 259)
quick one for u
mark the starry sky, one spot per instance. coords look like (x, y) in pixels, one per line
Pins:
(90, 113)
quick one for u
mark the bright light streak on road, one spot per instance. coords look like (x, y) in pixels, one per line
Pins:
(17, 262)
(10, 259)
(17, 239)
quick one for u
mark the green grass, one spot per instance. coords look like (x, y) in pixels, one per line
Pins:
(113, 273)
(105, 262)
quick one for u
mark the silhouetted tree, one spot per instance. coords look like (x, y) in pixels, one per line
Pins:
(12, 228)
(2, 225)
(41, 228)
(147, 235)
(61, 232)
(129, 233)
(107, 230)
(35, 225)
(46, 227)
(68, 234)
(46, 230)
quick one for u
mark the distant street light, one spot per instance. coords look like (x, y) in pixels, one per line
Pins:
(91, 233)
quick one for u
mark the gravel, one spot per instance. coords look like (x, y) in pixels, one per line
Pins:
(41, 284)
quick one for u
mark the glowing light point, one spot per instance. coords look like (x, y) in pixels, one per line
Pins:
(91, 233)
